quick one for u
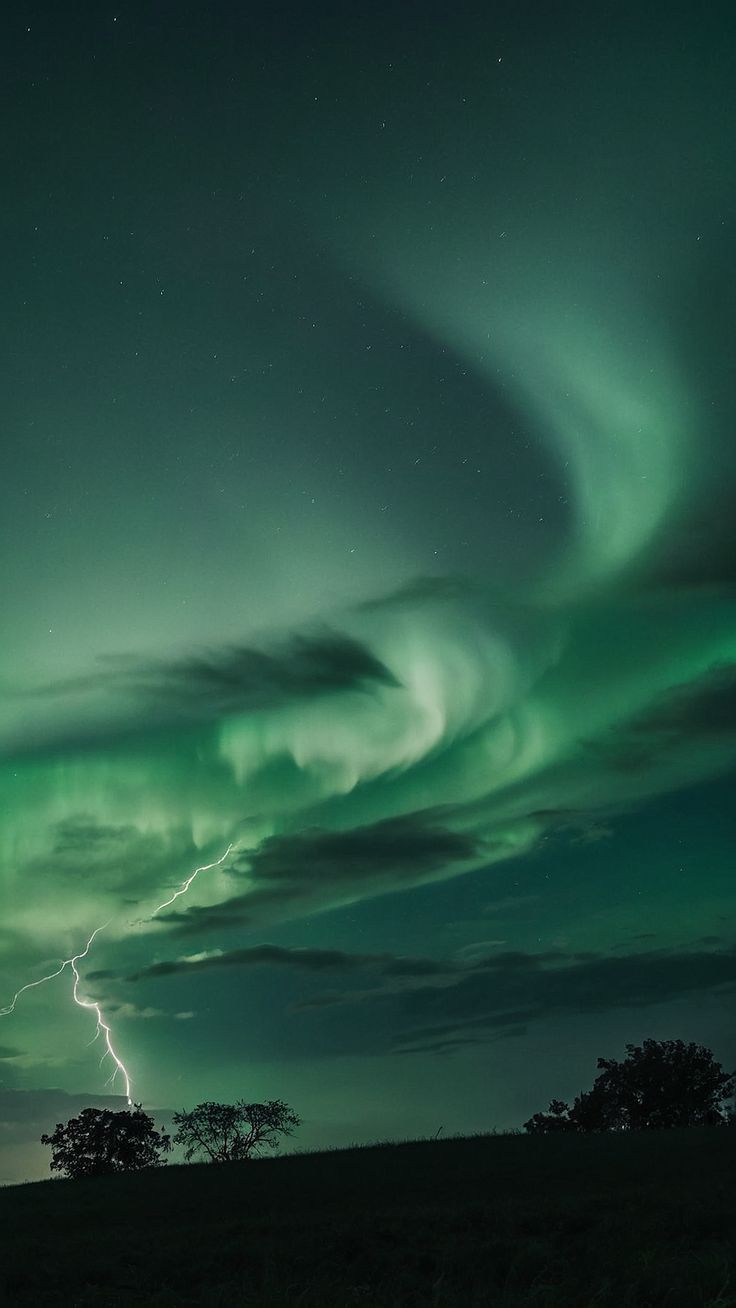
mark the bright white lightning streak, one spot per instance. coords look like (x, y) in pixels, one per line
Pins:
(41, 980)
(102, 1026)
(183, 888)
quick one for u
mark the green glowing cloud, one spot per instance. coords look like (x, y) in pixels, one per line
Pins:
(489, 720)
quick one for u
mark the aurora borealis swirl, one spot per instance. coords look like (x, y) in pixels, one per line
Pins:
(368, 513)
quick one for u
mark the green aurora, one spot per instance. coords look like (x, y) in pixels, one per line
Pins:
(367, 508)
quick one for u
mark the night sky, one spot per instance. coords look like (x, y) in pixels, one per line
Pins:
(368, 510)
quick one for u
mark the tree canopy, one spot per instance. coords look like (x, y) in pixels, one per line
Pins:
(101, 1141)
(660, 1084)
(223, 1133)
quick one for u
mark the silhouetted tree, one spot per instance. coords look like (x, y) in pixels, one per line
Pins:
(557, 1118)
(100, 1141)
(660, 1084)
(225, 1133)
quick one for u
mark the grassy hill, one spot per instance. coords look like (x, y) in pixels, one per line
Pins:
(625, 1221)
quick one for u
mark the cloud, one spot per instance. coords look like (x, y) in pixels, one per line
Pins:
(502, 994)
(509, 991)
(469, 749)
(415, 843)
(301, 959)
(81, 849)
(478, 948)
(82, 835)
(25, 1114)
(703, 711)
(146, 1013)
(127, 693)
(242, 678)
(445, 1046)
(317, 866)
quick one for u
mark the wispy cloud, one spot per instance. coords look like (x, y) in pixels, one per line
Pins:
(307, 960)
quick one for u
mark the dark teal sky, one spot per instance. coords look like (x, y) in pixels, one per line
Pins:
(366, 510)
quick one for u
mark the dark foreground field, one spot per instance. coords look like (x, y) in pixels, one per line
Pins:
(508, 1220)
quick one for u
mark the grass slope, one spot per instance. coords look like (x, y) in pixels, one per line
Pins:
(547, 1221)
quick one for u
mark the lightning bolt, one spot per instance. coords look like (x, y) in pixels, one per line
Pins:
(103, 1027)
(183, 888)
(9, 1008)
